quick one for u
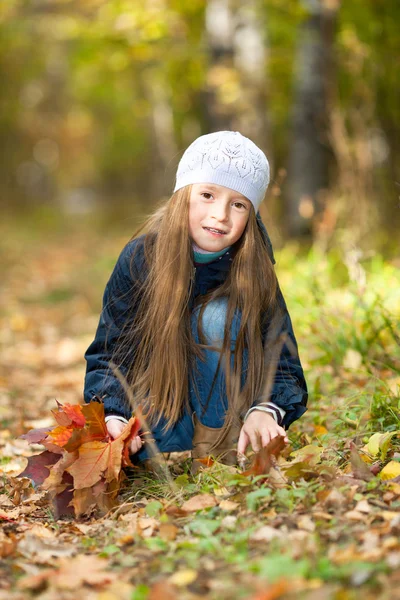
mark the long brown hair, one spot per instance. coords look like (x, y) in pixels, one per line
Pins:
(161, 329)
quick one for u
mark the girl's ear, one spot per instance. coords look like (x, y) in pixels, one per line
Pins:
(265, 235)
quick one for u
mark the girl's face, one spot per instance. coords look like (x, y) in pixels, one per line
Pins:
(217, 216)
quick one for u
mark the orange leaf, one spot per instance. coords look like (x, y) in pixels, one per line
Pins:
(60, 435)
(75, 413)
(98, 459)
(69, 415)
(94, 415)
(54, 480)
(93, 461)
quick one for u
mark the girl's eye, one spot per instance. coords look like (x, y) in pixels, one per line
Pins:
(206, 194)
(240, 205)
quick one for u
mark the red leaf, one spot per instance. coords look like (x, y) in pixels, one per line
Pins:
(38, 467)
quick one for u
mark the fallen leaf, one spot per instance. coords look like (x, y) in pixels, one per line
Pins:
(265, 534)
(390, 471)
(228, 505)
(363, 506)
(354, 515)
(199, 502)
(304, 522)
(265, 459)
(183, 578)
(82, 569)
(309, 454)
(359, 468)
(168, 532)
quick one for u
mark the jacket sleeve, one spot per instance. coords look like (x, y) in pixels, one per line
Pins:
(117, 310)
(289, 390)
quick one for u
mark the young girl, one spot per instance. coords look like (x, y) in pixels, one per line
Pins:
(194, 318)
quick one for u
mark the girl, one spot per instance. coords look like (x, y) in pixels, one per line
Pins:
(194, 318)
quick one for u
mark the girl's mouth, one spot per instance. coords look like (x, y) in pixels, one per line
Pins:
(215, 231)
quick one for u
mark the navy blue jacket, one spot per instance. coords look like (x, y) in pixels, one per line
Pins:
(289, 390)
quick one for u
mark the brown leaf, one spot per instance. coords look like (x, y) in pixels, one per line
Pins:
(102, 495)
(168, 531)
(95, 420)
(54, 480)
(199, 502)
(7, 545)
(265, 459)
(62, 501)
(359, 468)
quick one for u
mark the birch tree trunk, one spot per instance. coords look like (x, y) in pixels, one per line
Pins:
(309, 151)
(235, 97)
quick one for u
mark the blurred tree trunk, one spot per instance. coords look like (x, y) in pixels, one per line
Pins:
(309, 151)
(161, 130)
(235, 97)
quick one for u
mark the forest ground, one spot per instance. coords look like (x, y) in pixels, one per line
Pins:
(331, 529)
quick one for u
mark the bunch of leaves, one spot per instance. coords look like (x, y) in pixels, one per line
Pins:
(81, 466)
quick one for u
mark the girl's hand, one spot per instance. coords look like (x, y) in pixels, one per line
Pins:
(259, 429)
(115, 427)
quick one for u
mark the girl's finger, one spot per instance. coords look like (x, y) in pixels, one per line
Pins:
(265, 437)
(254, 441)
(136, 444)
(114, 428)
(243, 442)
(283, 433)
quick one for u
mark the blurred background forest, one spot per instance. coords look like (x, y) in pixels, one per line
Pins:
(100, 98)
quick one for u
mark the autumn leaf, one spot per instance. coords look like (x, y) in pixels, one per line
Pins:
(390, 471)
(95, 419)
(199, 502)
(38, 467)
(36, 436)
(359, 468)
(54, 480)
(59, 435)
(265, 459)
(69, 415)
(97, 459)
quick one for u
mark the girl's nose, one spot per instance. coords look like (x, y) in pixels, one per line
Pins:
(220, 212)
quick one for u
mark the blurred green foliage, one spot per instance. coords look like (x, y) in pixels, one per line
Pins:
(102, 97)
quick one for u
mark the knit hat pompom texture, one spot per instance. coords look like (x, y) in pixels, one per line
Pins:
(226, 158)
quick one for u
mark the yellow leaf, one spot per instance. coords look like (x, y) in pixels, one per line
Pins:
(320, 430)
(380, 442)
(183, 578)
(310, 454)
(228, 505)
(390, 471)
(373, 444)
(352, 359)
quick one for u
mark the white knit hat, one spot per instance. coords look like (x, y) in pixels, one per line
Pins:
(226, 158)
